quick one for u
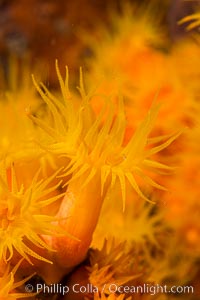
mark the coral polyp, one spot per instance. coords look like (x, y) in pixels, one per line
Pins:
(95, 158)
(22, 221)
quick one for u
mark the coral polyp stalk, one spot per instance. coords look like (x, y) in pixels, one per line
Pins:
(80, 209)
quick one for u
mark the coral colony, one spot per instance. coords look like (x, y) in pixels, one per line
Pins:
(99, 184)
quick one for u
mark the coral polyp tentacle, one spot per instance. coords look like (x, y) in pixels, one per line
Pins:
(8, 285)
(194, 18)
